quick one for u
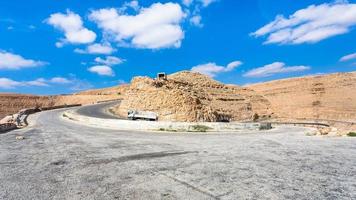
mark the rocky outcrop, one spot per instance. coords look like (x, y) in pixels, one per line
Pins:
(189, 96)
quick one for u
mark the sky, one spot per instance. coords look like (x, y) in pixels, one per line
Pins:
(61, 47)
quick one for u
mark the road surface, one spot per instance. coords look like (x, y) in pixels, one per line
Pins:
(98, 110)
(62, 160)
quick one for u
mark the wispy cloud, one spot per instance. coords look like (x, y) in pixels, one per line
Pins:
(204, 3)
(6, 83)
(310, 25)
(274, 68)
(97, 48)
(60, 80)
(212, 69)
(348, 57)
(40, 82)
(109, 60)
(196, 21)
(12, 61)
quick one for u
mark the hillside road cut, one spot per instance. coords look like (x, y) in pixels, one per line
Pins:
(58, 159)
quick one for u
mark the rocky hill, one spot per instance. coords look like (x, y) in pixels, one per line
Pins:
(189, 96)
(331, 97)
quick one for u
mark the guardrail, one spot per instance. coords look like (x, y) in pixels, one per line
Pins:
(106, 101)
(7, 126)
(303, 123)
(58, 107)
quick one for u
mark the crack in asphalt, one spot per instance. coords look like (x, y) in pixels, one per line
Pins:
(191, 186)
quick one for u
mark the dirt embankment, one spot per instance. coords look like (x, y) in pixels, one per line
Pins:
(116, 90)
(330, 98)
(189, 96)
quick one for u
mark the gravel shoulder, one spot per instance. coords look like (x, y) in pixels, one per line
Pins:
(62, 160)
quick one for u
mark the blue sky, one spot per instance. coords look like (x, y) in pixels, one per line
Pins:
(55, 47)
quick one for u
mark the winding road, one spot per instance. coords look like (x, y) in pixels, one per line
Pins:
(59, 159)
(98, 110)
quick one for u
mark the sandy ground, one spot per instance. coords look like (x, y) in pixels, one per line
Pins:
(62, 160)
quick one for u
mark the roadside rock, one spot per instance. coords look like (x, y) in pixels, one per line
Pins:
(20, 137)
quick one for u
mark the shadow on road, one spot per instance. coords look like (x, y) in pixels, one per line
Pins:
(144, 156)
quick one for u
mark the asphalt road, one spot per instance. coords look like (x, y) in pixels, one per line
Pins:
(62, 160)
(98, 110)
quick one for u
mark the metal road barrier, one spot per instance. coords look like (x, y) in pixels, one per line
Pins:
(303, 123)
(7, 126)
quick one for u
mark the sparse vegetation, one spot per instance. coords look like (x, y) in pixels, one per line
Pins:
(199, 128)
(311, 133)
(193, 128)
(352, 134)
(255, 117)
(168, 130)
(66, 116)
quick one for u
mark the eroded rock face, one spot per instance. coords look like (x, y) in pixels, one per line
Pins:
(330, 97)
(189, 96)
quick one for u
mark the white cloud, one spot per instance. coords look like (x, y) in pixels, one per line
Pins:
(41, 82)
(157, 26)
(97, 48)
(80, 85)
(211, 69)
(6, 83)
(310, 25)
(109, 60)
(348, 57)
(196, 21)
(274, 68)
(13, 61)
(60, 80)
(72, 26)
(102, 70)
(121, 82)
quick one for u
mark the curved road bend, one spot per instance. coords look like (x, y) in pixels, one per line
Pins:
(98, 110)
(62, 160)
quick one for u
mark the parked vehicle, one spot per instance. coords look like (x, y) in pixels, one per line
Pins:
(142, 115)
